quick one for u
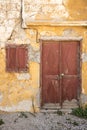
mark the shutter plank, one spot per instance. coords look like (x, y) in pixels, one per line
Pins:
(21, 58)
(10, 59)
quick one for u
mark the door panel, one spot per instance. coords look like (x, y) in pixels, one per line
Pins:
(51, 91)
(60, 71)
(50, 72)
(69, 58)
(69, 88)
(70, 70)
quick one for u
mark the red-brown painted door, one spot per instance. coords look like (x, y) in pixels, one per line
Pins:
(60, 71)
(50, 73)
(70, 70)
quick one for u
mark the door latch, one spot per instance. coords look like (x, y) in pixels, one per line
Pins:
(62, 75)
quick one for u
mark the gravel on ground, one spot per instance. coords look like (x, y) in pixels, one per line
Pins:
(41, 121)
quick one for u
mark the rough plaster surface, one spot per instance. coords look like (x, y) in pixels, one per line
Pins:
(1, 97)
(84, 57)
(34, 55)
(52, 11)
(9, 17)
(83, 99)
(23, 76)
(17, 89)
(24, 105)
(70, 32)
(19, 36)
(44, 10)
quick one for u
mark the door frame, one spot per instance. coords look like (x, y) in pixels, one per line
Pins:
(80, 53)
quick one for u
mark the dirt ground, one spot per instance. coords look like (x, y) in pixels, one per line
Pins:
(41, 121)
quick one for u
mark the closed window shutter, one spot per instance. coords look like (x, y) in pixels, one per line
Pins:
(21, 58)
(16, 58)
(11, 59)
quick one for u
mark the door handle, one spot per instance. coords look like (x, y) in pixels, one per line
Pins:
(62, 75)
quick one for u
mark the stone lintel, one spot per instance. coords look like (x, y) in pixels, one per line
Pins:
(29, 23)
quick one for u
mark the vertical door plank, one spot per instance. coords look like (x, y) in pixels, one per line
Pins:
(50, 71)
(70, 66)
(21, 56)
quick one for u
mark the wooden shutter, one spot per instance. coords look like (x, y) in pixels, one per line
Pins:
(21, 58)
(10, 58)
(16, 58)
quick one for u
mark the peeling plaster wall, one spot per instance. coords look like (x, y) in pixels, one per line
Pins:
(10, 11)
(18, 91)
(44, 10)
(53, 11)
(21, 91)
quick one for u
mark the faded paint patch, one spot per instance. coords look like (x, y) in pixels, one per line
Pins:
(43, 10)
(24, 105)
(84, 57)
(79, 10)
(34, 55)
(2, 44)
(84, 77)
(83, 99)
(9, 18)
(1, 97)
(38, 97)
(23, 76)
(47, 33)
(19, 36)
(70, 32)
(35, 72)
(31, 35)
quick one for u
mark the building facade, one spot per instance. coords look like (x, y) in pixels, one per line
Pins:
(43, 54)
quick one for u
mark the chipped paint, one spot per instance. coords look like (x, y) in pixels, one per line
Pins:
(53, 12)
(24, 105)
(42, 19)
(83, 99)
(70, 104)
(44, 10)
(84, 57)
(1, 97)
(23, 76)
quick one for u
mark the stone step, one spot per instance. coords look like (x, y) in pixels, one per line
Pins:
(51, 106)
(59, 107)
(57, 111)
(48, 111)
(69, 105)
(67, 110)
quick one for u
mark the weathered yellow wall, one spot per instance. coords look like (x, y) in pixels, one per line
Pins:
(18, 91)
(21, 91)
(77, 9)
(15, 87)
(67, 32)
(53, 11)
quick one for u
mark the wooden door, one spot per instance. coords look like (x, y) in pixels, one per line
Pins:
(50, 73)
(70, 70)
(60, 69)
